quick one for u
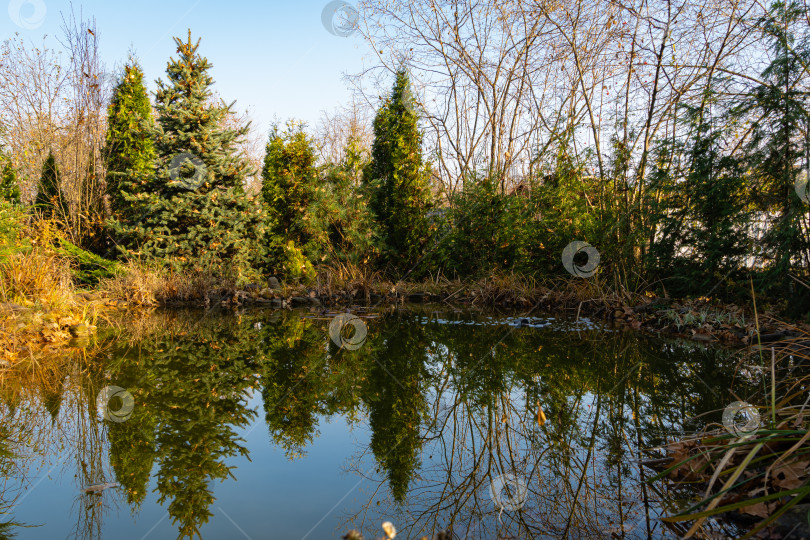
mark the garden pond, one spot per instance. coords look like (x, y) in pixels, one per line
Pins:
(307, 424)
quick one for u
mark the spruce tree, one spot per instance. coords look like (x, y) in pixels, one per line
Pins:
(191, 211)
(49, 199)
(397, 179)
(9, 187)
(129, 148)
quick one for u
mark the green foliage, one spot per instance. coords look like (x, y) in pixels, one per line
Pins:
(526, 229)
(50, 201)
(289, 182)
(294, 264)
(196, 216)
(88, 268)
(778, 144)
(701, 211)
(484, 231)
(568, 210)
(12, 238)
(316, 215)
(397, 180)
(341, 224)
(129, 149)
(9, 186)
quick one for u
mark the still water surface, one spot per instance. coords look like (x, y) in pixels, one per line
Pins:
(258, 425)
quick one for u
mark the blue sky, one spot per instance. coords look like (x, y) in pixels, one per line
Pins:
(275, 58)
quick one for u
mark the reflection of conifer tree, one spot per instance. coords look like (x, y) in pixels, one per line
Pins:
(132, 443)
(294, 383)
(200, 402)
(132, 452)
(196, 384)
(397, 407)
(301, 381)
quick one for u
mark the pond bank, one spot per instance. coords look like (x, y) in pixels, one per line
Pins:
(702, 319)
(36, 330)
(26, 328)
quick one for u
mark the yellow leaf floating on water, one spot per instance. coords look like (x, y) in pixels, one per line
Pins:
(541, 416)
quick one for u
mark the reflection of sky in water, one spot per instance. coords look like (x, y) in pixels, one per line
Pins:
(273, 498)
(601, 401)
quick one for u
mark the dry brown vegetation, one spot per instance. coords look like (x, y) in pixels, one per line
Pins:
(39, 303)
(758, 476)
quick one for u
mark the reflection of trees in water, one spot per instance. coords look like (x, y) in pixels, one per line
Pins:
(605, 395)
(305, 376)
(190, 385)
(450, 408)
(394, 396)
(48, 408)
(296, 382)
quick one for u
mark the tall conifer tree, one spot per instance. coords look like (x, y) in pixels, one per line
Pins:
(129, 149)
(191, 211)
(397, 179)
(49, 195)
(289, 180)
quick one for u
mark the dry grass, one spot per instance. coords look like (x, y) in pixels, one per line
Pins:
(36, 278)
(569, 294)
(32, 273)
(345, 277)
(759, 474)
(143, 285)
(39, 303)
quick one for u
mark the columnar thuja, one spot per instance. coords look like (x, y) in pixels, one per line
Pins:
(397, 179)
(129, 148)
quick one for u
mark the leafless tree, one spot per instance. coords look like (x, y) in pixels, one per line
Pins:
(49, 103)
(334, 131)
(84, 129)
(33, 88)
(504, 84)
